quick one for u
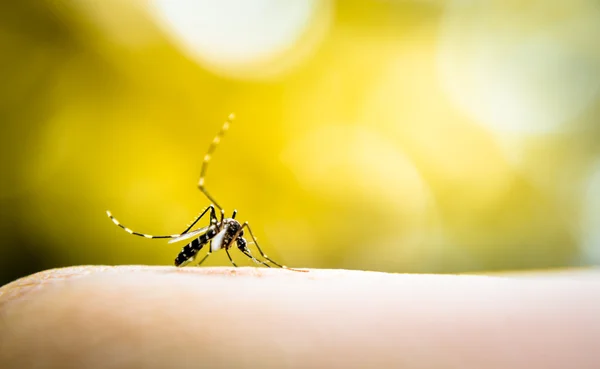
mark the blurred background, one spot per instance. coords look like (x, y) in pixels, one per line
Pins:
(401, 136)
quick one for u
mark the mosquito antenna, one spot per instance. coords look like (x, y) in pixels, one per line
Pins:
(213, 145)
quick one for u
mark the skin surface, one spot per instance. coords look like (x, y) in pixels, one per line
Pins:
(159, 317)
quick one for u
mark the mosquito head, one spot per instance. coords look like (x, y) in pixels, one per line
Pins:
(242, 244)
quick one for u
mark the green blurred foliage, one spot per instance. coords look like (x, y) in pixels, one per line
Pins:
(352, 156)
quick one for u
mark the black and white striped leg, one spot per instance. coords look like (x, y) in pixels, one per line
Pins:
(246, 225)
(137, 233)
(213, 220)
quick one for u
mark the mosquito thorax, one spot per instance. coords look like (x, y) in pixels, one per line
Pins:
(233, 227)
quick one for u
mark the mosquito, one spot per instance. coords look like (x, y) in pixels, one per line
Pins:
(221, 233)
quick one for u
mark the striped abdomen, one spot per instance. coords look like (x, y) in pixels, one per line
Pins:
(191, 249)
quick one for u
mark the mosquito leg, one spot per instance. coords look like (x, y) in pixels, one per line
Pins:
(230, 259)
(137, 233)
(242, 245)
(204, 258)
(213, 218)
(211, 149)
(246, 225)
(255, 259)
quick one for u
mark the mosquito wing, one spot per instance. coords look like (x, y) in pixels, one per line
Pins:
(217, 241)
(191, 234)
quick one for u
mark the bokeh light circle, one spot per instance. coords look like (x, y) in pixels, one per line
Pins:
(245, 39)
(521, 69)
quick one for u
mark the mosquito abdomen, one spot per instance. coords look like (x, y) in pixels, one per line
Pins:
(191, 249)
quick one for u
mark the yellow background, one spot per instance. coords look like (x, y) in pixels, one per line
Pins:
(401, 136)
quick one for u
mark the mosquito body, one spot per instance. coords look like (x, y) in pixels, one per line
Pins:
(221, 233)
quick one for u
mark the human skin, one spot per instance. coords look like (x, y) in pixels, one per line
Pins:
(163, 317)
